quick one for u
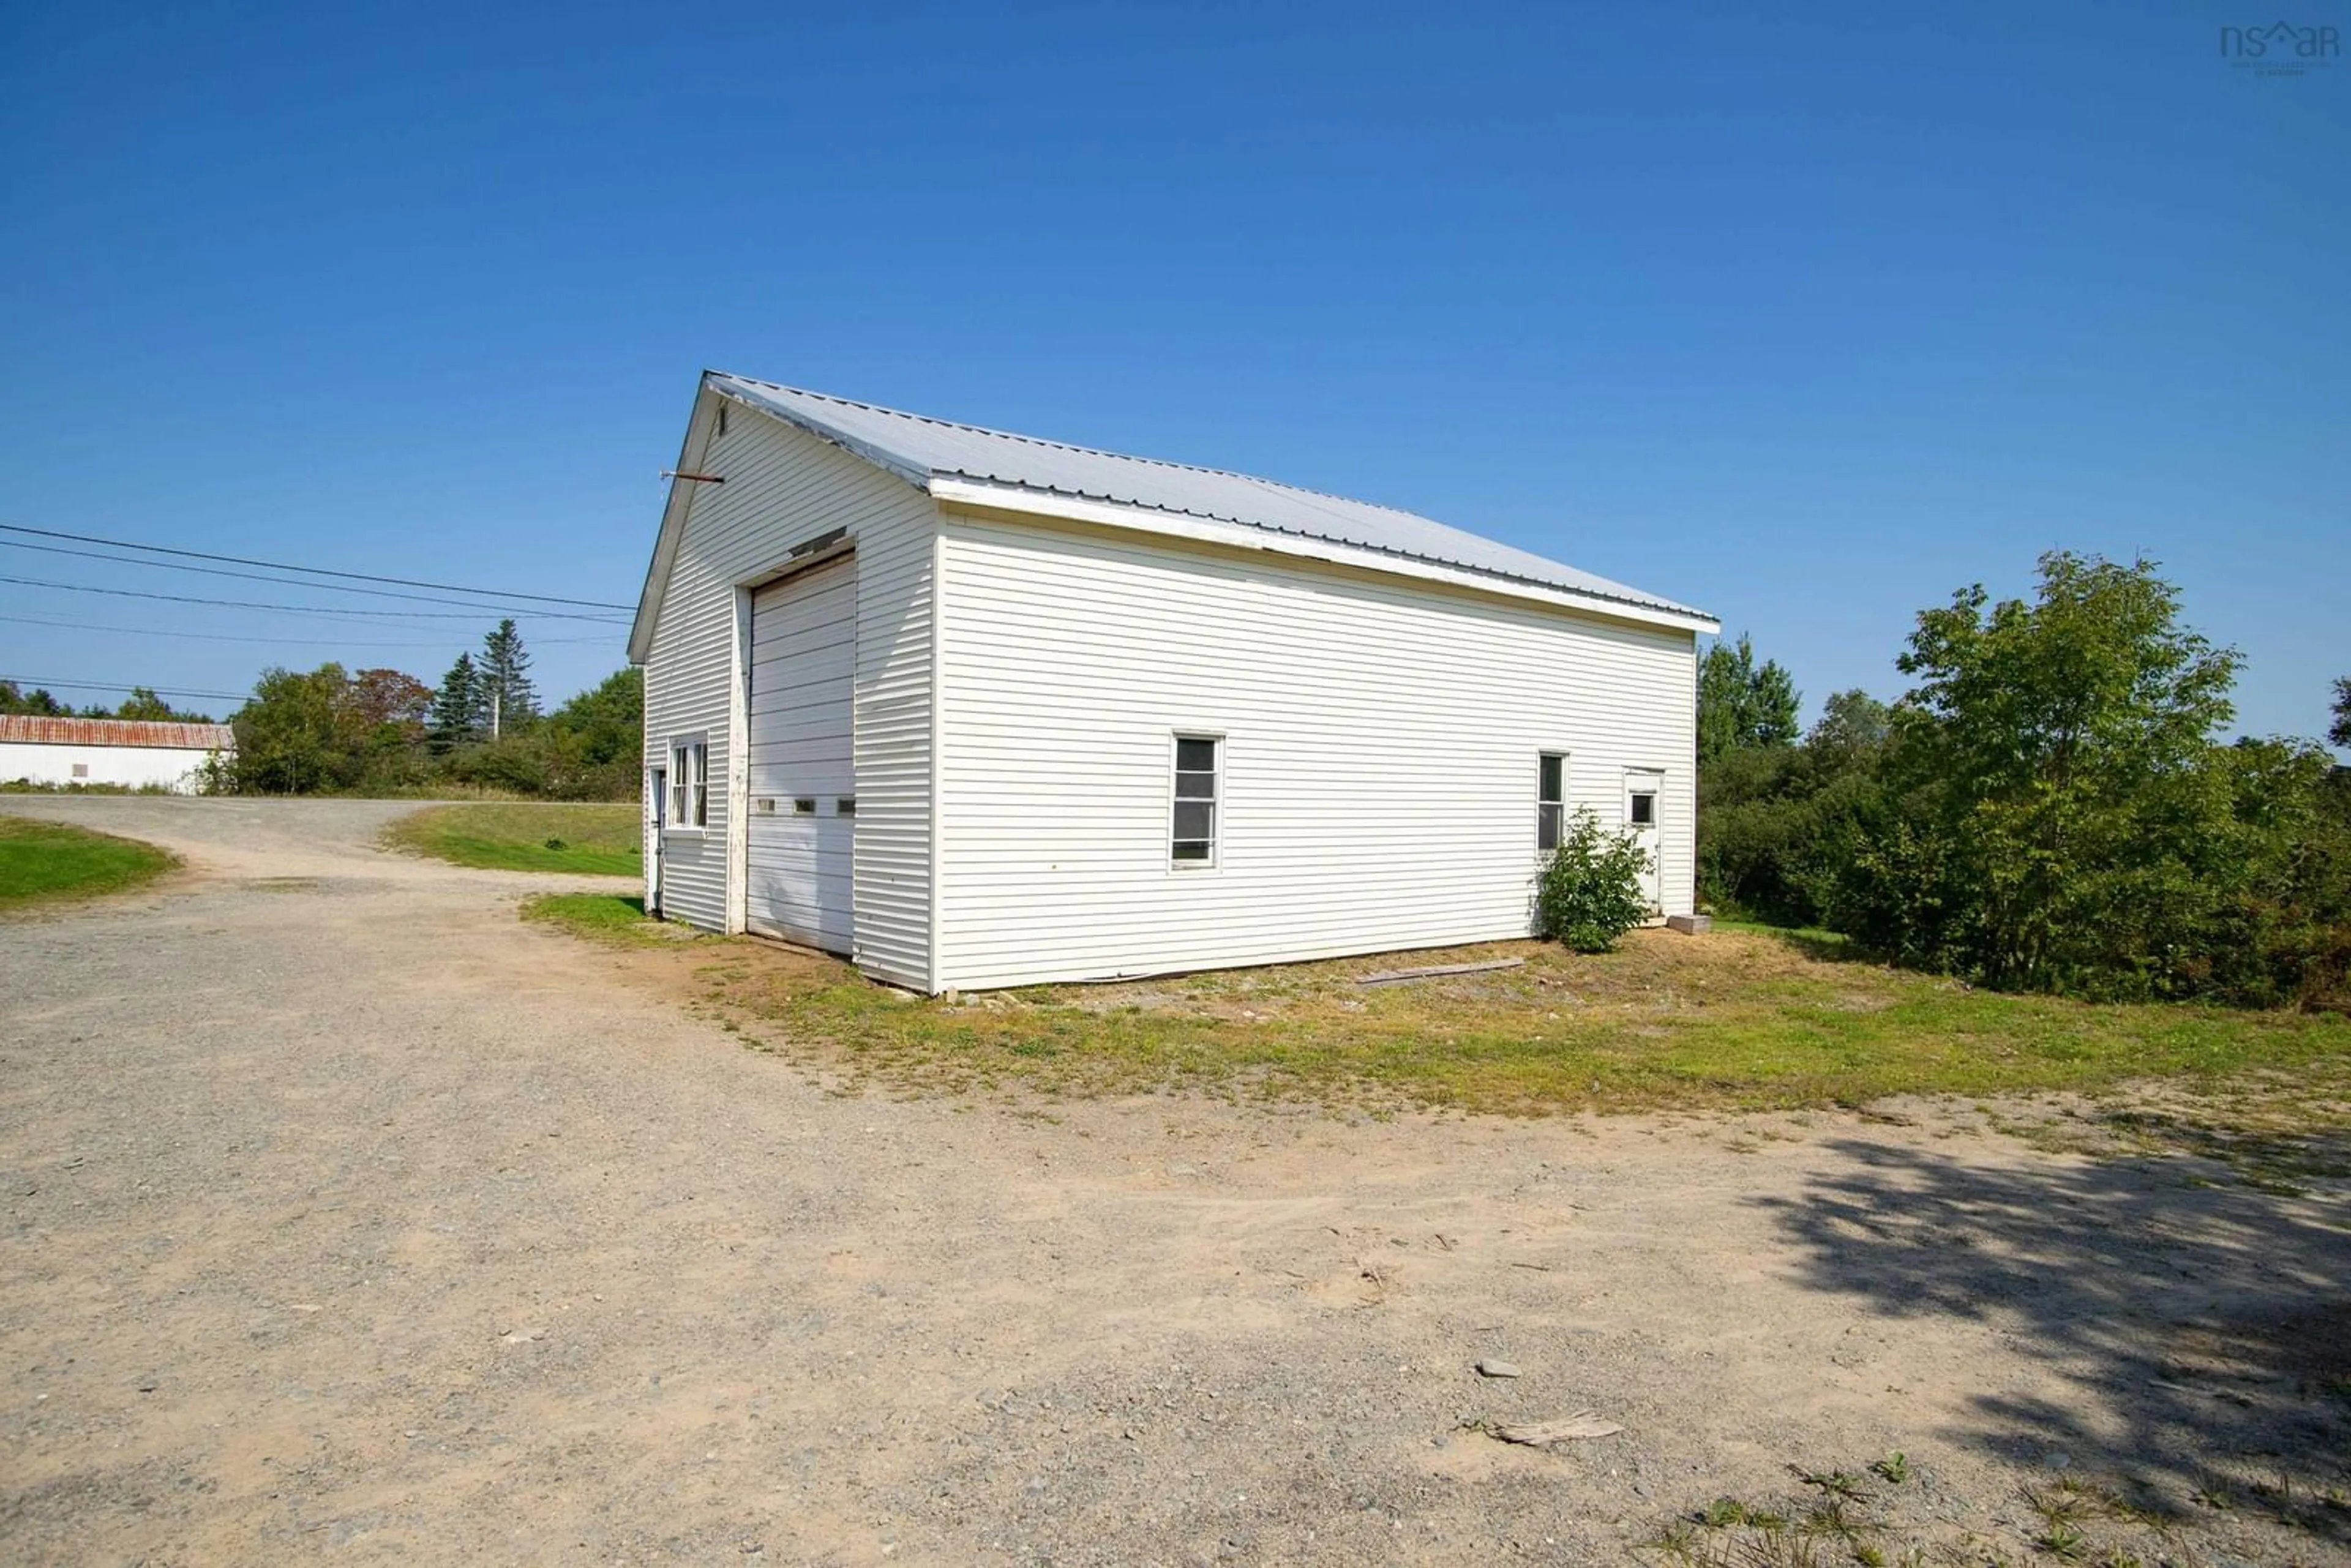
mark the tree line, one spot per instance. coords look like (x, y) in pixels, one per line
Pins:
(2050, 807)
(384, 732)
(141, 703)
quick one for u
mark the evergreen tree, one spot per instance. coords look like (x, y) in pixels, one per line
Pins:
(505, 673)
(459, 711)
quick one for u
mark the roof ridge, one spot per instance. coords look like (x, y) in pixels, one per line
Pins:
(922, 449)
(1072, 446)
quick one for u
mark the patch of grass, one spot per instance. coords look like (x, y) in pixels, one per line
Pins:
(26, 787)
(1813, 941)
(590, 838)
(600, 916)
(41, 862)
(1731, 1021)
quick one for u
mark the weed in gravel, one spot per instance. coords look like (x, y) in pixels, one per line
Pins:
(2063, 1540)
(1841, 1485)
(1840, 1521)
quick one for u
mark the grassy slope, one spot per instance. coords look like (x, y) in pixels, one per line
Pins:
(43, 860)
(598, 838)
(1736, 1019)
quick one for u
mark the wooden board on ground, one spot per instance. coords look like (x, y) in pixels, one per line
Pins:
(1393, 977)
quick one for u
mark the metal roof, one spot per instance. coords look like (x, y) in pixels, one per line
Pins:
(35, 729)
(920, 449)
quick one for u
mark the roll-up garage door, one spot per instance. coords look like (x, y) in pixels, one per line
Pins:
(804, 783)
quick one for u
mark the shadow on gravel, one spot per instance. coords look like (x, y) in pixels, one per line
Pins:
(2206, 1333)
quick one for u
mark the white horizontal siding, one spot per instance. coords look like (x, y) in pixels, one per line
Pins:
(132, 767)
(785, 487)
(1378, 768)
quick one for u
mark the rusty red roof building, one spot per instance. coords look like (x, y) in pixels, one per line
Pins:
(37, 729)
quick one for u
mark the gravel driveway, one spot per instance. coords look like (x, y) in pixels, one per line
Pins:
(350, 1217)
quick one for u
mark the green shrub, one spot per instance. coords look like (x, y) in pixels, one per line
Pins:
(1590, 894)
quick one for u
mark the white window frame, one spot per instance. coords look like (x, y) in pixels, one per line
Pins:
(1650, 781)
(1559, 828)
(688, 810)
(1215, 802)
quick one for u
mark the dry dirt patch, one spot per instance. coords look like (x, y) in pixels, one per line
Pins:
(367, 1222)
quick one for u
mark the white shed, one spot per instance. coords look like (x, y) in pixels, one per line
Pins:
(978, 709)
(136, 754)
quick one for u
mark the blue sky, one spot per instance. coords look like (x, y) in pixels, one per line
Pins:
(1806, 315)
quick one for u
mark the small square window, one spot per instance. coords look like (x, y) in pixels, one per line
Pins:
(81, 769)
(1642, 809)
(846, 806)
(803, 805)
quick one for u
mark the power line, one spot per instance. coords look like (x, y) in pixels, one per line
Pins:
(317, 609)
(312, 570)
(286, 582)
(31, 683)
(303, 642)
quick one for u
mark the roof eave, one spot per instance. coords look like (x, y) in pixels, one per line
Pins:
(736, 389)
(674, 509)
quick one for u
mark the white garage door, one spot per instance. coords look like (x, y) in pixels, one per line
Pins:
(803, 784)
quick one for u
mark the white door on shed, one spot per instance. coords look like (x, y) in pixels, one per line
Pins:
(1644, 789)
(803, 782)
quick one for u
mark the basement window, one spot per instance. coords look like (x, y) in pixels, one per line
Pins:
(689, 782)
(1550, 797)
(1193, 832)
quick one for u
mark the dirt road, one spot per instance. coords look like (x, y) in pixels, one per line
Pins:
(351, 1218)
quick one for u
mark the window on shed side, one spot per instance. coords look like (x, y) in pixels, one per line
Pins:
(689, 784)
(1193, 832)
(1641, 806)
(1550, 797)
